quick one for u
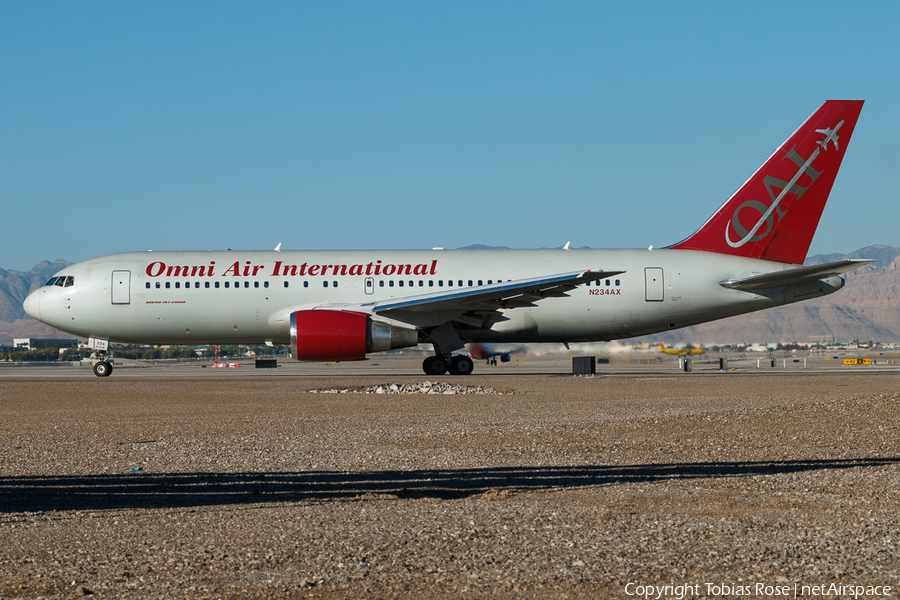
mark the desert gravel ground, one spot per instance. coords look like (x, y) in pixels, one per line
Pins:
(560, 487)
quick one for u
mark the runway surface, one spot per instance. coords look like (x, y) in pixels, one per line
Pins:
(188, 482)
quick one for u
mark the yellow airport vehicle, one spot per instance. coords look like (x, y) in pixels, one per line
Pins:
(680, 352)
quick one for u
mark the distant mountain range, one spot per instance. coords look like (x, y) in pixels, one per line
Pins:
(868, 308)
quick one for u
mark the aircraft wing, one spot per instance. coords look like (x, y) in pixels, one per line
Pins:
(507, 294)
(779, 279)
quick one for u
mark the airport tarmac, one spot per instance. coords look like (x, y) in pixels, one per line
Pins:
(187, 482)
(409, 364)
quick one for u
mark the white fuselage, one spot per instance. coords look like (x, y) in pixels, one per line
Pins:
(247, 297)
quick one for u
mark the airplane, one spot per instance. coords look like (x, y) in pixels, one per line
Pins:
(487, 353)
(344, 305)
(681, 351)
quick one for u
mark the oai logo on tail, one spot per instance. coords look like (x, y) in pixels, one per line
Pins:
(768, 216)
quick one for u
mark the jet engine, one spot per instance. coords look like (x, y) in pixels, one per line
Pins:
(338, 335)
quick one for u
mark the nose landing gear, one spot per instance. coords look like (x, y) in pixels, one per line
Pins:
(102, 368)
(102, 365)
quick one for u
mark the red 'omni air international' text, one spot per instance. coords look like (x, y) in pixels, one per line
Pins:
(281, 269)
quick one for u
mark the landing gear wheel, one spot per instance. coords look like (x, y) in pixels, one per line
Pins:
(461, 365)
(102, 369)
(434, 365)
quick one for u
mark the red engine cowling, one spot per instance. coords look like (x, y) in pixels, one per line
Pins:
(338, 335)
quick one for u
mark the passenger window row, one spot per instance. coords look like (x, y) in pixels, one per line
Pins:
(246, 284)
(206, 284)
(440, 282)
(607, 283)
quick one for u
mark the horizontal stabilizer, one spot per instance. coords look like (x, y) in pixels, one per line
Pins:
(793, 276)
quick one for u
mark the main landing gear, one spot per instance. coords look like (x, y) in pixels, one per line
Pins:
(457, 365)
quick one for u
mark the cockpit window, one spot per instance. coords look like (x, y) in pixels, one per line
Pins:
(52, 281)
(70, 281)
(60, 281)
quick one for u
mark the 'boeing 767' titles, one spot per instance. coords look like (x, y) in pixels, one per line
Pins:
(345, 304)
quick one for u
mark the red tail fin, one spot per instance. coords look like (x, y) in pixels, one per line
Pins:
(775, 213)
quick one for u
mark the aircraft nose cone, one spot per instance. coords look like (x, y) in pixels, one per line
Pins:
(32, 305)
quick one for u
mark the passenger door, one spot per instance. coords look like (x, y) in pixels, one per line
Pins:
(121, 287)
(654, 285)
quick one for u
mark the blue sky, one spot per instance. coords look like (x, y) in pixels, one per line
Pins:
(212, 125)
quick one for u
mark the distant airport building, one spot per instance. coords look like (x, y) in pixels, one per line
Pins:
(34, 343)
